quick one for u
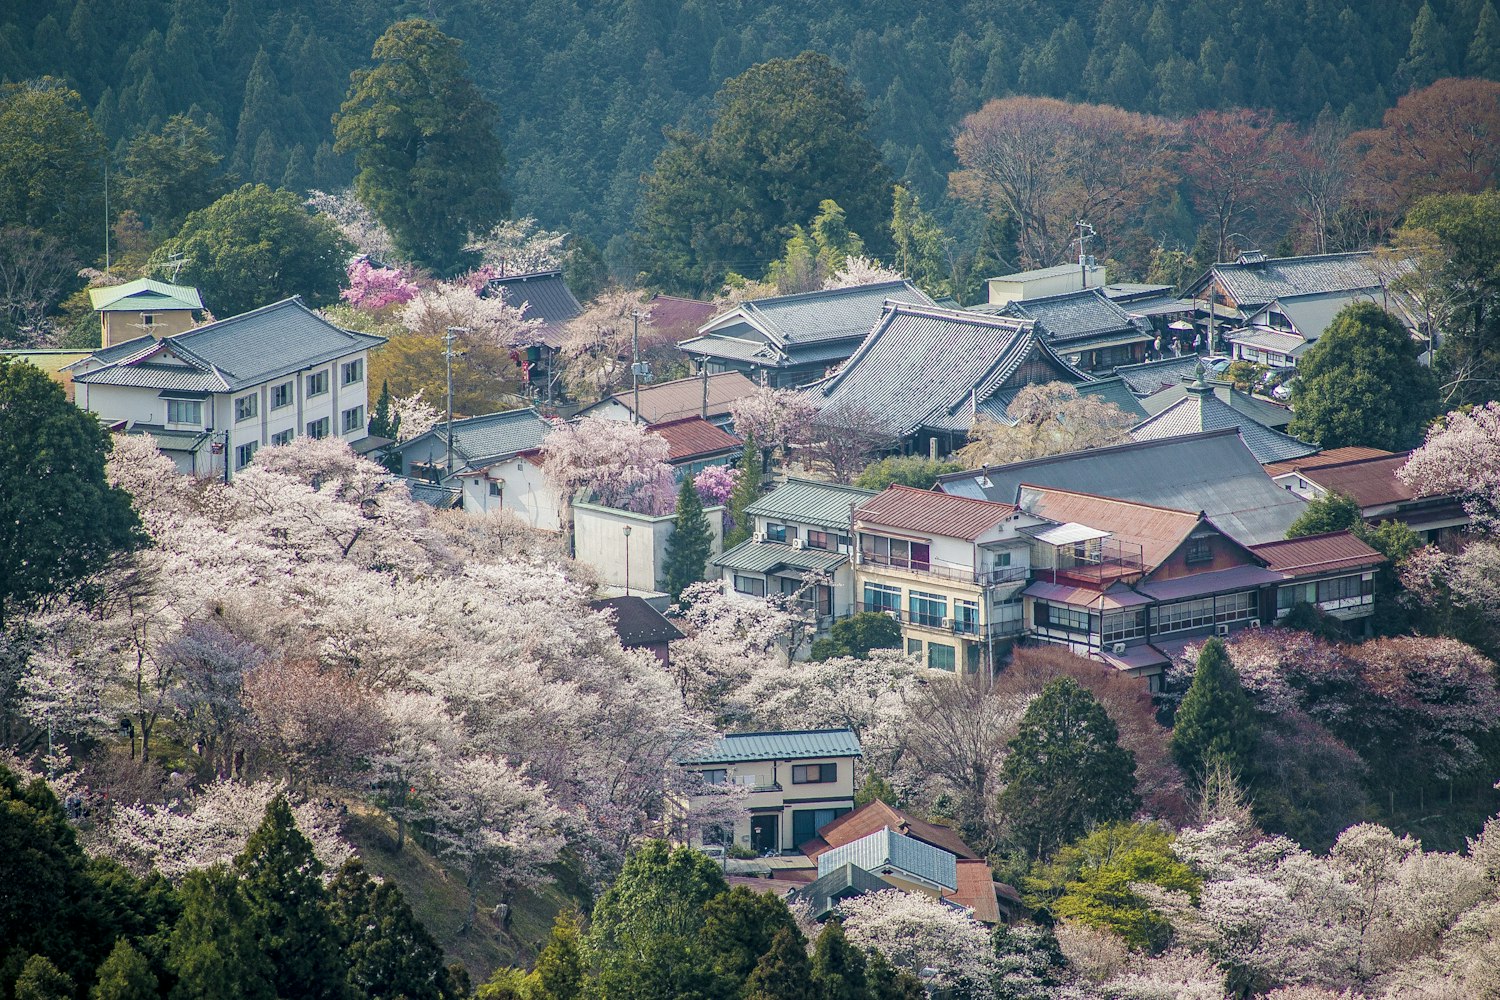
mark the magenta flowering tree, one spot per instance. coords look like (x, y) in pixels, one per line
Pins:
(715, 483)
(375, 288)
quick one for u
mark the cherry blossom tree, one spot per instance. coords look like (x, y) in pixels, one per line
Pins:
(318, 723)
(413, 415)
(210, 664)
(486, 319)
(776, 418)
(599, 345)
(860, 270)
(1047, 419)
(363, 231)
(729, 640)
(916, 932)
(716, 483)
(374, 289)
(1461, 457)
(615, 462)
(520, 246)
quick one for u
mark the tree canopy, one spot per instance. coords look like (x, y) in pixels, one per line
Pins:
(1215, 722)
(52, 161)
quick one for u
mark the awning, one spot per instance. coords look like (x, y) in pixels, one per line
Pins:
(1065, 534)
(1207, 584)
(1135, 658)
(1080, 597)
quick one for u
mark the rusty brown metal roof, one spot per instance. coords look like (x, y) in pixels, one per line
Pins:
(1333, 456)
(694, 437)
(911, 509)
(1157, 530)
(1370, 481)
(1313, 554)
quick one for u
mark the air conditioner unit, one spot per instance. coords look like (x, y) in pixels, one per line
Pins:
(760, 536)
(1255, 623)
(1221, 630)
(894, 616)
(799, 543)
(1118, 649)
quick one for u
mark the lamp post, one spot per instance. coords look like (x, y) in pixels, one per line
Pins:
(627, 560)
(448, 337)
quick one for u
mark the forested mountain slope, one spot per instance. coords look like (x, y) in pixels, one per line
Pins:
(586, 87)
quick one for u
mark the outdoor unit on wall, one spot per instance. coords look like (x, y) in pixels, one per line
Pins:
(1255, 623)
(1118, 649)
(799, 543)
(1221, 630)
(894, 616)
(760, 536)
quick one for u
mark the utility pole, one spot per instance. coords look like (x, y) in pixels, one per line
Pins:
(449, 336)
(1085, 233)
(635, 362)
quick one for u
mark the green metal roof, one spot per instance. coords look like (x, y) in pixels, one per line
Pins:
(807, 501)
(795, 744)
(886, 849)
(768, 557)
(144, 295)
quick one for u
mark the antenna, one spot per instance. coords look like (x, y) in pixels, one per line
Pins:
(1085, 233)
(175, 262)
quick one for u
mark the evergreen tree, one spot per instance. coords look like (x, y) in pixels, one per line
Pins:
(383, 423)
(876, 789)
(1427, 55)
(60, 522)
(560, 971)
(738, 928)
(921, 253)
(1215, 720)
(389, 954)
(886, 982)
(41, 980)
(782, 972)
(747, 490)
(213, 950)
(171, 173)
(691, 543)
(52, 165)
(659, 894)
(1484, 50)
(125, 975)
(1329, 512)
(857, 635)
(1066, 770)
(426, 145)
(838, 967)
(283, 892)
(1361, 384)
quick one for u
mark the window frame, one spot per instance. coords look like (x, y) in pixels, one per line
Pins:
(282, 438)
(285, 392)
(944, 652)
(753, 581)
(246, 407)
(317, 384)
(358, 412)
(195, 406)
(827, 773)
(319, 428)
(357, 367)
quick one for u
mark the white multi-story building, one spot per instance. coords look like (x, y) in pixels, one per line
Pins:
(213, 395)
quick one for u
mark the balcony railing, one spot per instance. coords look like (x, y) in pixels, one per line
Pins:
(956, 626)
(948, 571)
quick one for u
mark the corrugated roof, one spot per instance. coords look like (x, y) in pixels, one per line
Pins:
(247, 349)
(1117, 596)
(1315, 554)
(824, 893)
(877, 815)
(1159, 531)
(833, 314)
(887, 849)
(1071, 316)
(1200, 409)
(1254, 284)
(1311, 314)
(545, 294)
(479, 441)
(1262, 411)
(791, 744)
(1153, 376)
(807, 501)
(911, 509)
(1213, 472)
(923, 367)
(976, 890)
(144, 295)
(693, 437)
(1288, 344)
(636, 622)
(1333, 456)
(683, 397)
(1203, 584)
(771, 557)
(1370, 481)
(1055, 271)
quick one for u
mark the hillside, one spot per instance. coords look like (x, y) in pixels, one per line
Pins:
(586, 88)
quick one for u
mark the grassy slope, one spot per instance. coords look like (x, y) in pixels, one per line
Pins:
(440, 901)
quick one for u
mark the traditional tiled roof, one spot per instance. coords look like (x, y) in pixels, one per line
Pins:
(835, 314)
(1200, 409)
(1333, 456)
(1262, 411)
(1075, 316)
(1311, 314)
(144, 295)
(771, 557)
(1153, 376)
(791, 744)
(888, 851)
(877, 815)
(808, 501)
(1311, 555)
(925, 367)
(1254, 283)
(1213, 472)
(1288, 344)
(909, 509)
(545, 294)
(1159, 531)
(236, 353)
(480, 441)
(636, 622)
(683, 397)
(690, 438)
(1108, 390)
(1221, 581)
(433, 495)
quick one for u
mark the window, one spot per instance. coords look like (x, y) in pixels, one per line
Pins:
(818, 540)
(185, 411)
(807, 822)
(354, 419)
(883, 551)
(495, 490)
(940, 657)
(281, 395)
(781, 533)
(1002, 558)
(1200, 550)
(1122, 625)
(1341, 589)
(352, 372)
(1060, 616)
(318, 428)
(913, 647)
(752, 585)
(966, 617)
(879, 597)
(814, 774)
(1204, 611)
(246, 407)
(243, 454)
(148, 319)
(282, 437)
(928, 609)
(317, 383)
(715, 776)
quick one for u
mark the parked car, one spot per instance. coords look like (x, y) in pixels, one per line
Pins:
(1216, 364)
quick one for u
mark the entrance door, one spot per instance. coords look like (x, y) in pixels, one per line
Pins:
(763, 838)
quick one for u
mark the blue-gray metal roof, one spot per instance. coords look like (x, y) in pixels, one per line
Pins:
(833, 314)
(807, 501)
(771, 557)
(921, 366)
(886, 849)
(1213, 472)
(847, 881)
(489, 438)
(1311, 314)
(545, 294)
(244, 350)
(144, 295)
(794, 744)
(1201, 410)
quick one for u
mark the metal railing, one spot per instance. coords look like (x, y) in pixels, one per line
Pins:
(957, 626)
(948, 571)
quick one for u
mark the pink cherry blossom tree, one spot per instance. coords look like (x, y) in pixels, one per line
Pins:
(1462, 457)
(617, 463)
(374, 289)
(777, 418)
(715, 483)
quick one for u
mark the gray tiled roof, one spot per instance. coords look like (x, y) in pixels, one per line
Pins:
(889, 849)
(1111, 390)
(478, 441)
(1073, 316)
(1262, 411)
(792, 744)
(1200, 409)
(834, 314)
(921, 366)
(769, 557)
(147, 375)
(1151, 376)
(1213, 472)
(546, 295)
(441, 497)
(245, 350)
(1253, 285)
(807, 501)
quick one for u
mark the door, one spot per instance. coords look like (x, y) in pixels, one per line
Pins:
(763, 835)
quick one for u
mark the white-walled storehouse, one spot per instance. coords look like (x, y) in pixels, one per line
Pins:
(213, 395)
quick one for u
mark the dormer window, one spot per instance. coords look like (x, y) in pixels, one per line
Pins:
(1200, 549)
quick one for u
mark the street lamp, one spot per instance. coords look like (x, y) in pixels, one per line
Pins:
(627, 560)
(448, 337)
